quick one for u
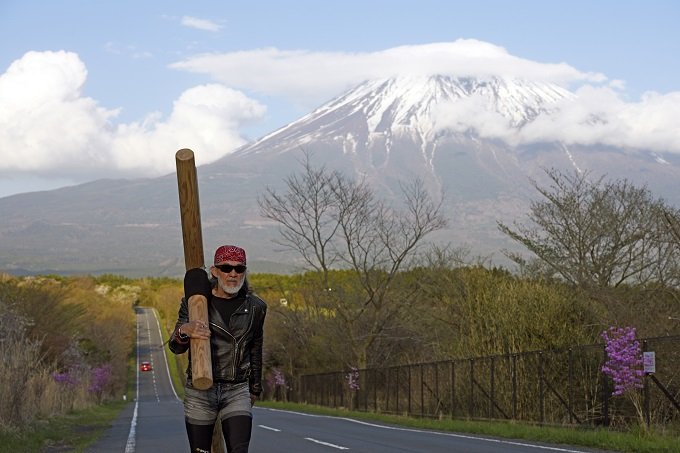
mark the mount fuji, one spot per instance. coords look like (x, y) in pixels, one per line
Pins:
(460, 136)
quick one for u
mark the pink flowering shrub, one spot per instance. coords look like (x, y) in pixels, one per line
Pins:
(624, 365)
(353, 379)
(624, 359)
(276, 381)
(68, 378)
(100, 377)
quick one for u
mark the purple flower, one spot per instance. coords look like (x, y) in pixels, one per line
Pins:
(276, 379)
(67, 378)
(353, 379)
(279, 378)
(624, 359)
(99, 378)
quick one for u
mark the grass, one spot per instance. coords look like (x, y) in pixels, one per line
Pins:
(70, 433)
(635, 442)
(173, 364)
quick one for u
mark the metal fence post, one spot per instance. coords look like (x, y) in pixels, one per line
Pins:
(375, 389)
(605, 392)
(647, 403)
(409, 391)
(398, 369)
(422, 391)
(471, 409)
(570, 386)
(453, 389)
(514, 386)
(541, 386)
(436, 386)
(387, 389)
(492, 371)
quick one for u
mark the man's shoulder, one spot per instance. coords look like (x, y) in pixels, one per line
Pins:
(256, 300)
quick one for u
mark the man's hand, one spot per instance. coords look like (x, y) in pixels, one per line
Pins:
(253, 398)
(196, 329)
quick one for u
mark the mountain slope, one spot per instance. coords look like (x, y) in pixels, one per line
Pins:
(387, 131)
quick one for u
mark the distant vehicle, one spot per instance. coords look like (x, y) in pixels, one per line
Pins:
(145, 366)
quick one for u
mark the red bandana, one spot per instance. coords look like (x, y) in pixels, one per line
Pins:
(230, 253)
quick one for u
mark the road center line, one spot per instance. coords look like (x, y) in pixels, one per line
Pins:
(339, 447)
(269, 428)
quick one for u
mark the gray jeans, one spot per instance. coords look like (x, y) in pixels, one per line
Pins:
(203, 407)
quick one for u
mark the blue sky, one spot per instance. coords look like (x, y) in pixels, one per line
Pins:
(92, 89)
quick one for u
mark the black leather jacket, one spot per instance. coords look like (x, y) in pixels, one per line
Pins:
(236, 349)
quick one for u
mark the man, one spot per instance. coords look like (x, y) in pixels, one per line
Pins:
(235, 330)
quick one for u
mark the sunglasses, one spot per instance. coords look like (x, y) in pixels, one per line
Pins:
(227, 268)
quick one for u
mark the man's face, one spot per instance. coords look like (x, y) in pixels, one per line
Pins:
(230, 276)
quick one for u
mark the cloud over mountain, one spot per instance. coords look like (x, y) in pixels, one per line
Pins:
(50, 127)
(316, 77)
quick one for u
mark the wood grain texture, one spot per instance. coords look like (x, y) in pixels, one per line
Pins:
(192, 238)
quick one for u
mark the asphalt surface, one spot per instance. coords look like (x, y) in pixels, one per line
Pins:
(154, 422)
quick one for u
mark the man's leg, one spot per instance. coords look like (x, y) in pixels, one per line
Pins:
(236, 431)
(200, 437)
(200, 413)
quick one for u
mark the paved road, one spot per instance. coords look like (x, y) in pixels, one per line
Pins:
(285, 431)
(154, 422)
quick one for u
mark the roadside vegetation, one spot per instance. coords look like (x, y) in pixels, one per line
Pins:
(599, 254)
(68, 355)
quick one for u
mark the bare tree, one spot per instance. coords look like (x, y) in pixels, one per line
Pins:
(334, 222)
(673, 222)
(597, 234)
(307, 214)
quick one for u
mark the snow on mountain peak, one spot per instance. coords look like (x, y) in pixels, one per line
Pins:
(415, 104)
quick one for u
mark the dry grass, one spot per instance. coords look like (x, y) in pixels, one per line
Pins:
(28, 390)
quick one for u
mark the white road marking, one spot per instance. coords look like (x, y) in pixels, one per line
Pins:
(462, 436)
(326, 443)
(130, 445)
(269, 428)
(167, 367)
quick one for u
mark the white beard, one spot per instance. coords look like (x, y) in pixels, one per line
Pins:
(231, 290)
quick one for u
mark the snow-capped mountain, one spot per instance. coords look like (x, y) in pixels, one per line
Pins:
(409, 105)
(387, 131)
(392, 129)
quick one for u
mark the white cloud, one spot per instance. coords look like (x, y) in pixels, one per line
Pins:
(47, 127)
(201, 24)
(206, 118)
(316, 77)
(595, 115)
(601, 115)
(598, 114)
